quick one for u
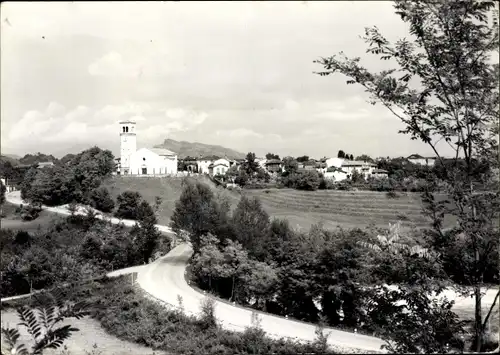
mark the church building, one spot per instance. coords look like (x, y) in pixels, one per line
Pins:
(152, 161)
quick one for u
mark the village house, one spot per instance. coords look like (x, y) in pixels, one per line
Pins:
(379, 173)
(335, 174)
(274, 166)
(362, 167)
(219, 167)
(204, 163)
(420, 160)
(44, 164)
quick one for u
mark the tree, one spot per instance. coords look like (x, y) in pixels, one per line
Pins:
(251, 226)
(308, 180)
(235, 264)
(270, 156)
(146, 233)
(158, 202)
(341, 154)
(198, 212)
(445, 89)
(303, 159)
(364, 157)
(250, 165)
(357, 176)
(290, 165)
(208, 263)
(101, 200)
(128, 204)
(3, 189)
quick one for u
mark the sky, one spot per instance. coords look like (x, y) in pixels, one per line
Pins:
(236, 74)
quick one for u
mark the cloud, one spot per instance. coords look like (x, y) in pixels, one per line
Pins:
(56, 126)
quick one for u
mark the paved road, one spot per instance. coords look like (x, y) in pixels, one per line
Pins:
(164, 280)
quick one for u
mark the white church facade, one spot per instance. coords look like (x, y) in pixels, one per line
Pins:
(145, 161)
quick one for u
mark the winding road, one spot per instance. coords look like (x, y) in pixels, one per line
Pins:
(164, 280)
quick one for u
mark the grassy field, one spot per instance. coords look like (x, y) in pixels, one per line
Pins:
(10, 220)
(333, 208)
(168, 188)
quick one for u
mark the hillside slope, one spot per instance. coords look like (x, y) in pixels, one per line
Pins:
(194, 149)
(167, 188)
(301, 208)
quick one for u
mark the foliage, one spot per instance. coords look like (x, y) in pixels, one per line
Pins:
(199, 212)
(30, 212)
(364, 157)
(357, 176)
(71, 250)
(308, 180)
(31, 159)
(290, 165)
(433, 326)
(3, 189)
(250, 165)
(250, 224)
(124, 312)
(445, 89)
(128, 205)
(270, 156)
(43, 324)
(72, 181)
(101, 200)
(303, 159)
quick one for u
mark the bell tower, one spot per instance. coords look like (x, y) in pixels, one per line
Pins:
(128, 145)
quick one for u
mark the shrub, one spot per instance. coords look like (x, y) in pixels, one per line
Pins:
(392, 194)
(101, 200)
(308, 180)
(128, 205)
(30, 212)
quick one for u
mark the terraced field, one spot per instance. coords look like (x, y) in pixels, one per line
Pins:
(332, 208)
(342, 208)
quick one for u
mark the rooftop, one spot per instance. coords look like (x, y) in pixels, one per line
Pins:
(356, 163)
(162, 151)
(127, 121)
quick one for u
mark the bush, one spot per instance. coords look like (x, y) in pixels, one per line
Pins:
(124, 312)
(30, 212)
(128, 205)
(101, 200)
(308, 180)
(392, 194)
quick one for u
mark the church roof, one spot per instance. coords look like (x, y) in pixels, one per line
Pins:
(162, 151)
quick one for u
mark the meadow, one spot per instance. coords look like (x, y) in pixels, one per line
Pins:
(332, 208)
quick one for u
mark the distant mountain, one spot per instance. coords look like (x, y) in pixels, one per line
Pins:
(193, 149)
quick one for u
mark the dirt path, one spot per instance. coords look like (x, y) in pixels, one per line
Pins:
(82, 342)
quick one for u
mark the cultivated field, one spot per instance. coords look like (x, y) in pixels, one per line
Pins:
(333, 208)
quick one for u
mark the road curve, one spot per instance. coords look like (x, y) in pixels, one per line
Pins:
(164, 280)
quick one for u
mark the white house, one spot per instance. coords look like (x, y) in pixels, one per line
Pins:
(362, 167)
(420, 160)
(219, 167)
(336, 162)
(152, 161)
(335, 174)
(380, 173)
(204, 163)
